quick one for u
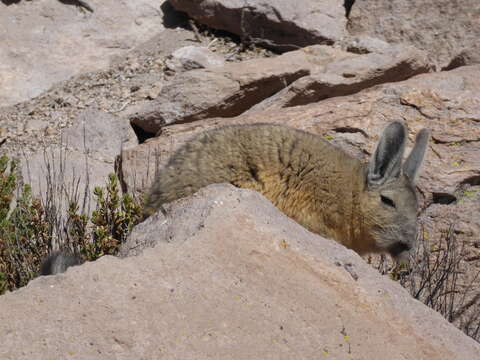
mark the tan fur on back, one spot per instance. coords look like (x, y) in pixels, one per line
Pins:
(366, 207)
(307, 178)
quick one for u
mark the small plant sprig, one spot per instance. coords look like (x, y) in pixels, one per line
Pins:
(24, 231)
(111, 221)
(432, 277)
(8, 182)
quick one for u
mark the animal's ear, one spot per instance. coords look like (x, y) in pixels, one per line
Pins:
(414, 161)
(386, 161)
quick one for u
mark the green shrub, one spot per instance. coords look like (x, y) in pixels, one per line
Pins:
(24, 231)
(111, 222)
(29, 228)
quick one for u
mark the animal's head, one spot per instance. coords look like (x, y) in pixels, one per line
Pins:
(389, 203)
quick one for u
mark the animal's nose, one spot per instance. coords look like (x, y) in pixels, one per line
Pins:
(400, 252)
(399, 247)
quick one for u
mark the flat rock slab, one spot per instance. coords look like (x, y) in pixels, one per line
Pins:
(100, 133)
(280, 24)
(315, 73)
(44, 42)
(349, 75)
(249, 283)
(447, 30)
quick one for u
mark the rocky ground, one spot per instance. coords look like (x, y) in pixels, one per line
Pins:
(129, 80)
(338, 69)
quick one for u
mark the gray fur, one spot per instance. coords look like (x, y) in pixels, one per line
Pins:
(386, 162)
(414, 161)
(366, 207)
(58, 262)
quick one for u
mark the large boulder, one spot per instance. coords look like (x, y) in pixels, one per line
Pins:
(44, 42)
(448, 30)
(230, 278)
(280, 24)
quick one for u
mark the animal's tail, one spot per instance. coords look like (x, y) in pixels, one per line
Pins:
(58, 262)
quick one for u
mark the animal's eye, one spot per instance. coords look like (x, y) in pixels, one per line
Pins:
(387, 201)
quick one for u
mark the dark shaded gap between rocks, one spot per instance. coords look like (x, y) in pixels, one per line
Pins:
(443, 198)
(348, 4)
(78, 3)
(141, 134)
(10, 2)
(173, 18)
(472, 180)
(461, 59)
(350, 130)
